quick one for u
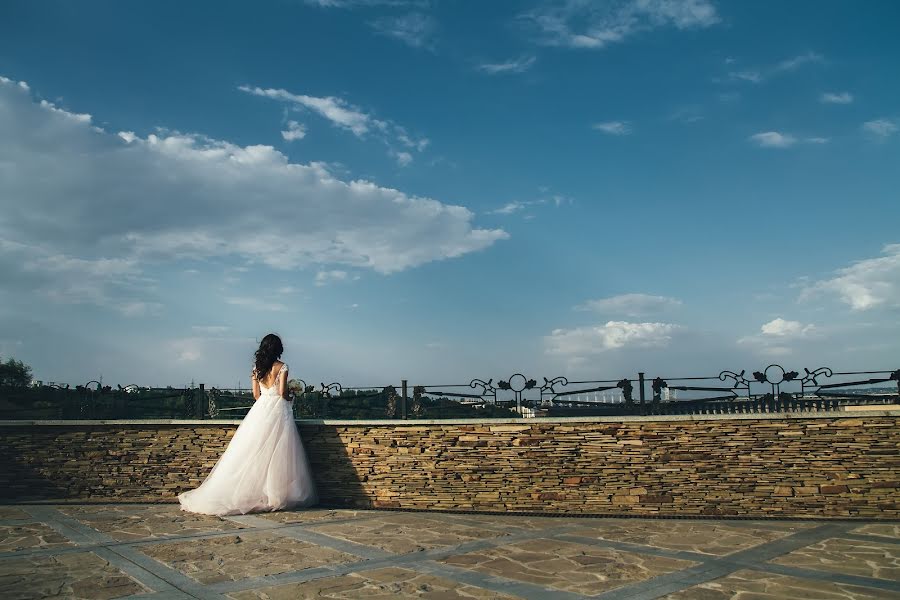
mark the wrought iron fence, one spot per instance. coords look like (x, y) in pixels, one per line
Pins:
(773, 389)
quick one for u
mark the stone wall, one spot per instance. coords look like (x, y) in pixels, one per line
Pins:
(814, 465)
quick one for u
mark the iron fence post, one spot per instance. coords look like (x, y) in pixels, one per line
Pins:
(201, 396)
(403, 400)
(641, 389)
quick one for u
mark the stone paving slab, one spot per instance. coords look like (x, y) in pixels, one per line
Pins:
(567, 566)
(139, 522)
(713, 538)
(756, 585)
(76, 575)
(11, 512)
(381, 583)
(887, 530)
(400, 533)
(29, 536)
(158, 552)
(229, 558)
(850, 557)
(313, 515)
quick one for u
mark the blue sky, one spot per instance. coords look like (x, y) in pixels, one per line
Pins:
(447, 190)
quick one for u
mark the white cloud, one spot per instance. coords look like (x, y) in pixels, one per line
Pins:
(583, 341)
(880, 128)
(509, 208)
(346, 116)
(336, 276)
(796, 62)
(613, 127)
(751, 76)
(759, 75)
(403, 158)
(596, 25)
(519, 65)
(778, 337)
(773, 139)
(210, 329)
(781, 328)
(520, 205)
(631, 305)
(341, 113)
(295, 131)
(114, 283)
(255, 303)
(836, 98)
(101, 208)
(415, 29)
(865, 285)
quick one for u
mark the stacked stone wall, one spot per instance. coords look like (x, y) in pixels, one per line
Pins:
(838, 465)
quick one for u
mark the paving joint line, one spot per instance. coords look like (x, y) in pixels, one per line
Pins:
(817, 575)
(494, 583)
(718, 567)
(153, 577)
(408, 560)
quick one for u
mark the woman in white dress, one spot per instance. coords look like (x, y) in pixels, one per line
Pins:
(264, 467)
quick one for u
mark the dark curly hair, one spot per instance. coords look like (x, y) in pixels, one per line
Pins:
(270, 350)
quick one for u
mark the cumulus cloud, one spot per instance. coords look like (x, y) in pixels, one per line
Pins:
(103, 206)
(519, 65)
(777, 337)
(836, 98)
(631, 305)
(596, 25)
(880, 128)
(584, 341)
(295, 131)
(781, 328)
(613, 127)
(414, 29)
(865, 285)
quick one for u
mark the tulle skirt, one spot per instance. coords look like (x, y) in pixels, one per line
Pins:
(264, 467)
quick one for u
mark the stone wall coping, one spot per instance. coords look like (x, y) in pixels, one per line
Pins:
(839, 414)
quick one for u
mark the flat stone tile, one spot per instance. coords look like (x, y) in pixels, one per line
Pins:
(851, 557)
(379, 584)
(250, 554)
(136, 522)
(406, 532)
(888, 530)
(520, 522)
(11, 512)
(712, 538)
(754, 585)
(311, 515)
(31, 536)
(567, 566)
(79, 575)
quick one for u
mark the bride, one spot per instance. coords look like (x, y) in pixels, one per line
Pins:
(264, 467)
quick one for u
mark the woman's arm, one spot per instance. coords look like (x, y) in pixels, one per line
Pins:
(254, 381)
(282, 382)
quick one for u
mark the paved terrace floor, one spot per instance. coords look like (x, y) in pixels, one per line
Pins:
(156, 551)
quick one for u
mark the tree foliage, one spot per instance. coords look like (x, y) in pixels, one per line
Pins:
(15, 373)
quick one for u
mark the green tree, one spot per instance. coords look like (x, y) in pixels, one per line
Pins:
(15, 373)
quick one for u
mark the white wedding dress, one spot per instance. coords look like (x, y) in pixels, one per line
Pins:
(264, 467)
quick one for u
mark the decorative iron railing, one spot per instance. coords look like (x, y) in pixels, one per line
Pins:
(773, 389)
